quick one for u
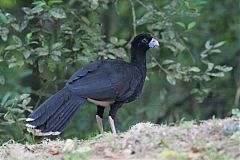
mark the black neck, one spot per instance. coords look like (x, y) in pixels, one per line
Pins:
(138, 58)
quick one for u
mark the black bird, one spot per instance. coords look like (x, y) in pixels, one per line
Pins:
(106, 83)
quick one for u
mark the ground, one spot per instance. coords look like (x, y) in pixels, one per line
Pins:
(213, 139)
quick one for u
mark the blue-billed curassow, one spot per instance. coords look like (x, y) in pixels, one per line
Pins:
(106, 83)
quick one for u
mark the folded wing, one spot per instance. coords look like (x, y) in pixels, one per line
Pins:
(100, 80)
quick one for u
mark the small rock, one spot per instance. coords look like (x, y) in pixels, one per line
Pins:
(69, 145)
(230, 129)
(83, 149)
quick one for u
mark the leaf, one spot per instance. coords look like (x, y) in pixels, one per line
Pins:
(94, 4)
(10, 18)
(55, 57)
(151, 65)
(57, 45)
(26, 10)
(17, 40)
(236, 112)
(215, 51)
(194, 69)
(15, 26)
(17, 110)
(181, 24)
(146, 18)
(23, 96)
(206, 77)
(122, 42)
(41, 51)
(114, 40)
(26, 54)
(29, 36)
(210, 66)
(223, 68)
(171, 35)
(219, 74)
(52, 2)
(21, 119)
(2, 80)
(39, 3)
(110, 56)
(36, 9)
(171, 79)
(58, 13)
(191, 25)
(4, 33)
(3, 18)
(11, 47)
(26, 101)
(179, 46)
(167, 61)
(9, 122)
(41, 65)
(219, 44)
(5, 98)
(172, 48)
(85, 20)
(207, 45)
(23, 25)
(57, 53)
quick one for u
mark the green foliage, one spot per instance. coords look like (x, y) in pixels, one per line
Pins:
(12, 115)
(236, 112)
(162, 24)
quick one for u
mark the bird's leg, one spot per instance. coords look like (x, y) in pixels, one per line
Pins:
(99, 117)
(112, 125)
(100, 124)
(111, 117)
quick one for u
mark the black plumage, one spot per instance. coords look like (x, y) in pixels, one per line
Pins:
(103, 82)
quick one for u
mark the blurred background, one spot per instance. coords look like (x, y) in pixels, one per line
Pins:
(194, 75)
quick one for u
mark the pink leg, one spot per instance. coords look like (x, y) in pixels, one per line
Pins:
(112, 125)
(100, 124)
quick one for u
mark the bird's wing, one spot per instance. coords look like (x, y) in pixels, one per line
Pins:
(90, 67)
(100, 80)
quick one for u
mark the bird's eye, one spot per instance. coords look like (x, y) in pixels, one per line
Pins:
(144, 40)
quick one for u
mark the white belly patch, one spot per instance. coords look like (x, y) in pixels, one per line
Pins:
(101, 103)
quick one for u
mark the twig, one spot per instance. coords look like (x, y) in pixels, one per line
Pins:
(190, 53)
(133, 18)
(237, 97)
(159, 65)
(134, 22)
(142, 4)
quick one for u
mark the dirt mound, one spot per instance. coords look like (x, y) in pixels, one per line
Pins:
(212, 139)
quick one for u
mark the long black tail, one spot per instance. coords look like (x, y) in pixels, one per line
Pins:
(54, 115)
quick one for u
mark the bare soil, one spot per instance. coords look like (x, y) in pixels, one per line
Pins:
(214, 139)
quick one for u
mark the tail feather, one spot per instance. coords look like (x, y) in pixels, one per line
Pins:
(53, 116)
(54, 124)
(49, 107)
(48, 125)
(65, 122)
(57, 116)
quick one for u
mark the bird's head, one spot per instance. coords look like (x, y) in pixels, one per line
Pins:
(144, 42)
